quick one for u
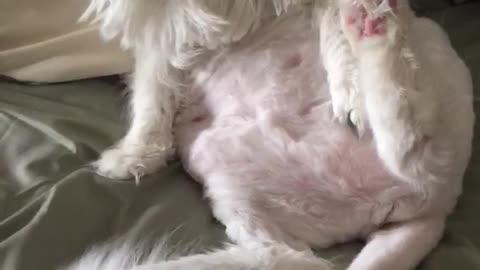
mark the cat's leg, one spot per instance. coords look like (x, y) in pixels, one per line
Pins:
(400, 246)
(402, 104)
(149, 141)
(341, 67)
(400, 99)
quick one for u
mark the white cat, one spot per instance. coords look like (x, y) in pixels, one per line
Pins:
(260, 95)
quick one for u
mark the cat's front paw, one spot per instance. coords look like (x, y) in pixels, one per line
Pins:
(357, 120)
(341, 105)
(347, 107)
(127, 160)
(371, 23)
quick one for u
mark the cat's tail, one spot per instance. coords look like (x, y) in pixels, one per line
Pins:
(131, 257)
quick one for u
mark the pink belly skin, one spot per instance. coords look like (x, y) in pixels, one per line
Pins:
(260, 136)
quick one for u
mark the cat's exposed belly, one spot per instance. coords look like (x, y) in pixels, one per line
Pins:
(260, 136)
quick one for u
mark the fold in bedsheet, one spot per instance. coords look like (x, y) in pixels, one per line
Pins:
(42, 41)
(52, 207)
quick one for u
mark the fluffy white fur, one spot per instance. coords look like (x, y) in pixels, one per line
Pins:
(118, 256)
(168, 37)
(253, 87)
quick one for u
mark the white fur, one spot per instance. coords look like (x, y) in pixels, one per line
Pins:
(255, 94)
(340, 63)
(167, 38)
(126, 255)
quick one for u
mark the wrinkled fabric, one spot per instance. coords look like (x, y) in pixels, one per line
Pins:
(53, 207)
(42, 41)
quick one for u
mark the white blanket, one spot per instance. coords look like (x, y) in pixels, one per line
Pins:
(42, 41)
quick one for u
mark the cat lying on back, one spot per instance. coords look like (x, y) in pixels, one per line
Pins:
(257, 97)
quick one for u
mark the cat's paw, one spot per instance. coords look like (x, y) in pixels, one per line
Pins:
(370, 23)
(341, 104)
(347, 107)
(126, 160)
(357, 119)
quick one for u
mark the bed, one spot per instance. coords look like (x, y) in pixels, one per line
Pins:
(53, 206)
